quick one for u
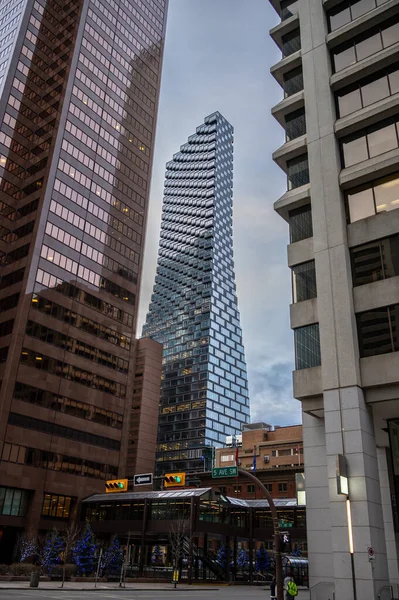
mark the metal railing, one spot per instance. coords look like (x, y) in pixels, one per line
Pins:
(324, 590)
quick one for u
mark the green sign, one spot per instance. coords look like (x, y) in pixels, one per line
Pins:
(225, 472)
(285, 524)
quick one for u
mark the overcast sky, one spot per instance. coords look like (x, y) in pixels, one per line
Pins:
(217, 57)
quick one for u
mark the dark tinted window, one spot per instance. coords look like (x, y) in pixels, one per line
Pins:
(377, 331)
(375, 261)
(298, 171)
(295, 124)
(300, 220)
(307, 347)
(304, 281)
(293, 82)
(291, 42)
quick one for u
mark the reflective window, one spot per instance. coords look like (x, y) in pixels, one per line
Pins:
(13, 501)
(39, 361)
(372, 141)
(300, 220)
(298, 171)
(47, 427)
(361, 205)
(368, 200)
(368, 91)
(304, 281)
(51, 336)
(307, 347)
(55, 462)
(365, 45)
(376, 260)
(83, 410)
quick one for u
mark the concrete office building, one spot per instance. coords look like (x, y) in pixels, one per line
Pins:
(145, 408)
(80, 85)
(340, 76)
(193, 310)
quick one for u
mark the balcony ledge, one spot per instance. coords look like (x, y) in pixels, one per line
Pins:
(287, 106)
(285, 65)
(283, 28)
(290, 150)
(368, 170)
(292, 199)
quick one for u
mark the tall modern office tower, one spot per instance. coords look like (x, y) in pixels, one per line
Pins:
(77, 111)
(193, 310)
(340, 76)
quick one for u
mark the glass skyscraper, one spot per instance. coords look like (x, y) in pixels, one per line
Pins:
(79, 88)
(193, 310)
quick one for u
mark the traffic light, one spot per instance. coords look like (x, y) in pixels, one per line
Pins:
(116, 485)
(174, 480)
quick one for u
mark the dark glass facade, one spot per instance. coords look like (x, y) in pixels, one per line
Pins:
(79, 105)
(193, 310)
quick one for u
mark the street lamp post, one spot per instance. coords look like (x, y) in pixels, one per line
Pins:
(276, 531)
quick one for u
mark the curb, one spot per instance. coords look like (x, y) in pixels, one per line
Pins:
(65, 589)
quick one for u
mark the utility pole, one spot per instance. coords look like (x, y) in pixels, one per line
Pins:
(276, 531)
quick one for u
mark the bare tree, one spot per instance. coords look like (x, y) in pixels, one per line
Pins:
(28, 547)
(177, 533)
(71, 536)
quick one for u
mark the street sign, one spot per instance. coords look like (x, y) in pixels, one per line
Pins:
(371, 553)
(145, 479)
(224, 472)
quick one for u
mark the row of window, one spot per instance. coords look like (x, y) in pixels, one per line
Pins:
(54, 429)
(95, 279)
(79, 321)
(362, 202)
(88, 183)
(349, 10)
(365, 45)
(56, 506)
(380, 196)
(116, 204)
(368, 91)
(57, 462)
(83, 410)
(72, 291)
(107, 64)
(70, 344)
(81, 247)
(14, 255)
(372, 141)
(62, 369)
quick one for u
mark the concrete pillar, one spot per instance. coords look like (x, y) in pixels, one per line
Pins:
(390, 536)
(349, 431)
(318, 521)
